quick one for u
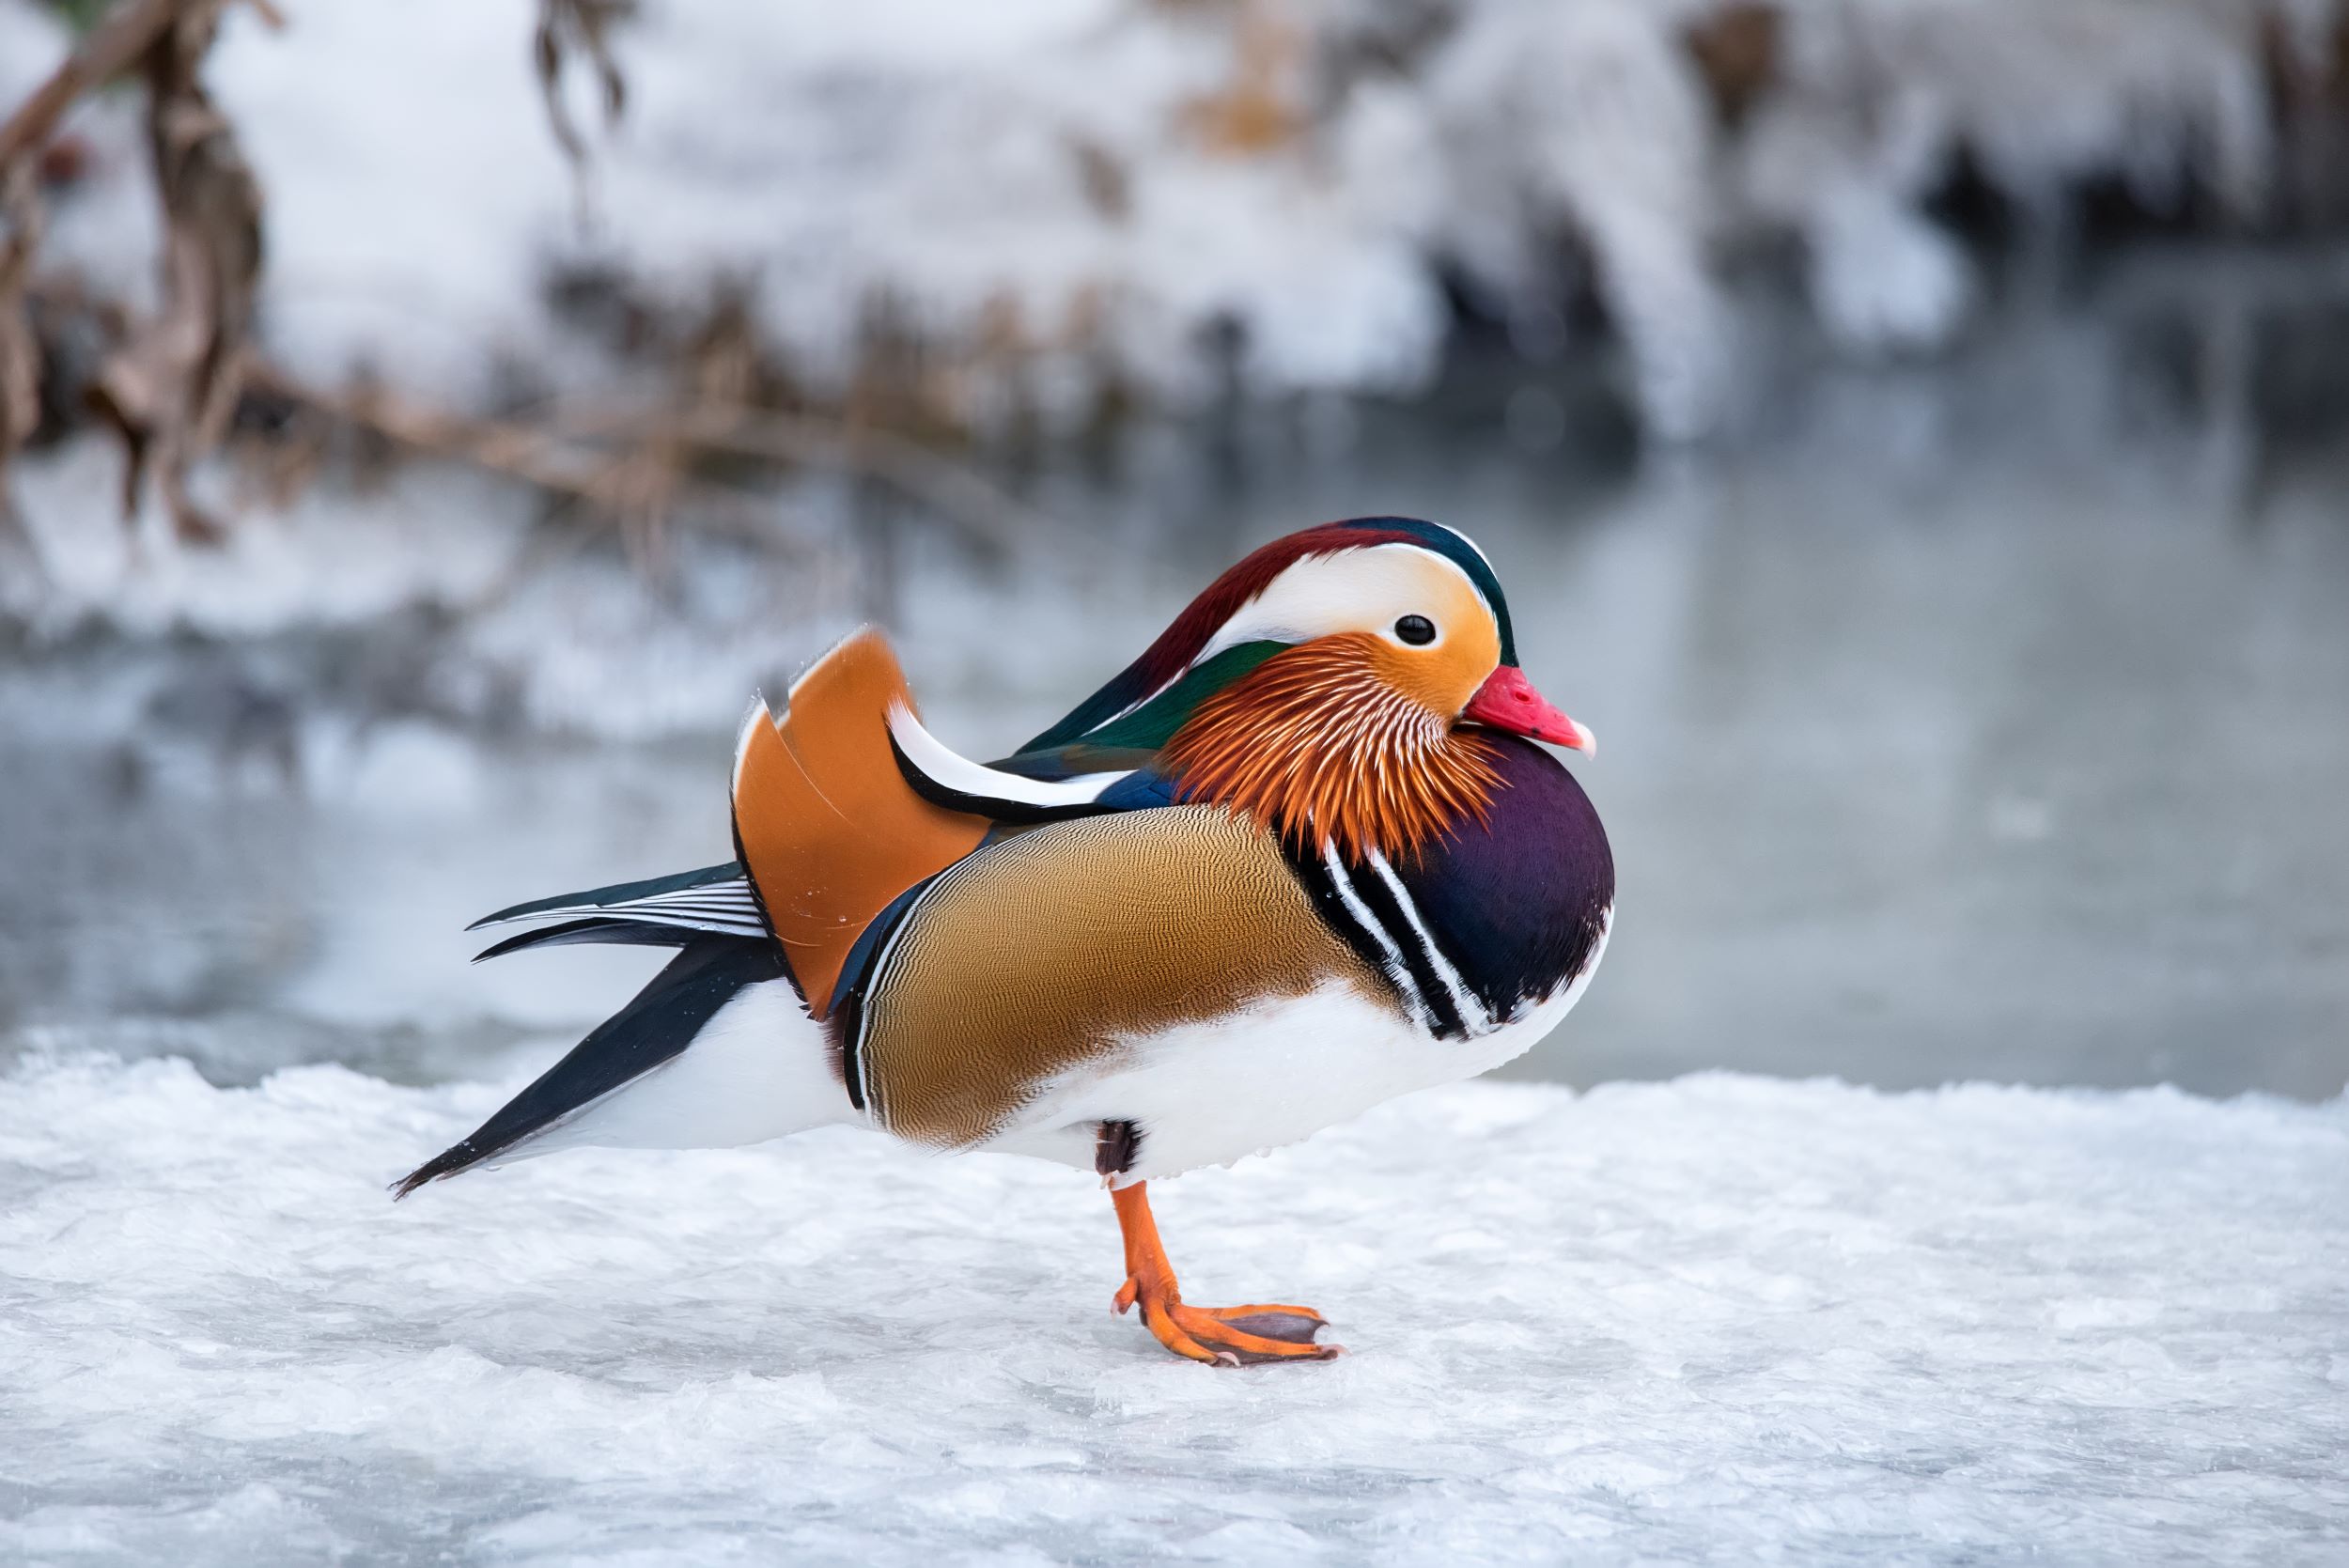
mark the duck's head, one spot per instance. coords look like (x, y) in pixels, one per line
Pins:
(1334, 682)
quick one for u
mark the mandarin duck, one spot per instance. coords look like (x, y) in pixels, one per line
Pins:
(1300, 857)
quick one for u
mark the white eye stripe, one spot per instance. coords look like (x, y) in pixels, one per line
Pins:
(1355, 590)
(1366, 588)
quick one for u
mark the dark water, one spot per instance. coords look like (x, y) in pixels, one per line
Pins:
(1982, 721)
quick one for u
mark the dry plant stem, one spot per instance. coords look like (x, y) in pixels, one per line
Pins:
(985, 513)
(578, 25)
(20, 354)
(170, 390)
(105, 53)
(110, 48)
(118, 42)
(615, 486)
(640, 480)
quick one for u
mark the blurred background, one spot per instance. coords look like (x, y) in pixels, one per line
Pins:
(1914, 435)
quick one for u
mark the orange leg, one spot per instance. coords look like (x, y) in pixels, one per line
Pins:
(1220, 1336)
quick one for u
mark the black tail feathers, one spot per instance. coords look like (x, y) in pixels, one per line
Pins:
(656, 1026)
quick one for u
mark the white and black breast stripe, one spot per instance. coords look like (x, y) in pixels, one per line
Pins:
(1474, 1019)
(1342, 888)
(1388, 904)
(1375, 915)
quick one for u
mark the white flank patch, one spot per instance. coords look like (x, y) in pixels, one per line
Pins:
(758, 1069)
(1210, 1092)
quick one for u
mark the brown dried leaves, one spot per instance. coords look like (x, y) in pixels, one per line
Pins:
(579, 27)
(171, 385)
(171, 389)
(20, 350)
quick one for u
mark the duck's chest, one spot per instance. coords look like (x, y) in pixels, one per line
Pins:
(1483, 945)
(1483, 928)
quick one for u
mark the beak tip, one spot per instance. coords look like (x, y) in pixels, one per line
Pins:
(1507, 700)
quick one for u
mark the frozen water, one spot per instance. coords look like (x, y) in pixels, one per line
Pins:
(1722, 1319)
(1891, 691)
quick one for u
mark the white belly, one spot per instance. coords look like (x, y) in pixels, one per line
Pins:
(756, 1070)
(1209, 1094)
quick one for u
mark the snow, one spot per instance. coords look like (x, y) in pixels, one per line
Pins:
(567, 633)
(431, 537)
(1878, 101)
(1062, 197)
(1045, 196)
(1722, 1319)
(1036, 191)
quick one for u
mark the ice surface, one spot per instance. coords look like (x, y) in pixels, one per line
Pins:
(1723, 1319)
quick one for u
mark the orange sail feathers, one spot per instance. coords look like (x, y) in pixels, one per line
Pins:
(826, 824)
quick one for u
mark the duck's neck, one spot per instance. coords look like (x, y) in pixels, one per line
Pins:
(1322, 749)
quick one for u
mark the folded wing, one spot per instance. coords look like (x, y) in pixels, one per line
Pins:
(824, 820)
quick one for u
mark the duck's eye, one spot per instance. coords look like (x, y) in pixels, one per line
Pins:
(1418, 630)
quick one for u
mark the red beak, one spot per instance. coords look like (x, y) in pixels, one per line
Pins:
(1507, 700)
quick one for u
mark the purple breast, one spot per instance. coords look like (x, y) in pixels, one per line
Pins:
(1518, 902)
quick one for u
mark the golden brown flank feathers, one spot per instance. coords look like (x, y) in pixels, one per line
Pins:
(1052, 947)
(827, 825)
(1340, 739)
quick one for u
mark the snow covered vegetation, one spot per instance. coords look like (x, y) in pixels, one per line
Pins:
(810, 231)
(1720, 1320)
(807, 223)
(1035, 207)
